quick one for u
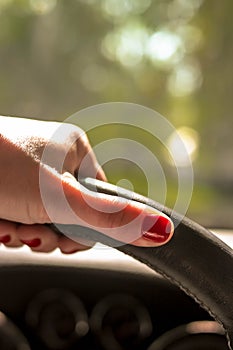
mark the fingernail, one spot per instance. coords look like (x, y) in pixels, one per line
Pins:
(157, 228)
(5, 239)
(32, 243)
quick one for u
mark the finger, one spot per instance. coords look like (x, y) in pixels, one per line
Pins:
(100, 175)
(118, 218)
(68, 246)
(86, 161)
(39, 238)
(8, 234)
(69, 150)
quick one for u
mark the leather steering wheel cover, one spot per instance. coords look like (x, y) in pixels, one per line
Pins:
(195, 260)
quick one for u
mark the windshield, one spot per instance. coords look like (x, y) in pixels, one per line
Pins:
(173, 56)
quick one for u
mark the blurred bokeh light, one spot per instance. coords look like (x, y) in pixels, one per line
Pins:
(189, 139)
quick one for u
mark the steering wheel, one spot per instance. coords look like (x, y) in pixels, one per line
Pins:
(195, 260)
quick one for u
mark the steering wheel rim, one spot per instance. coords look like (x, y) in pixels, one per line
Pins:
(195, 259)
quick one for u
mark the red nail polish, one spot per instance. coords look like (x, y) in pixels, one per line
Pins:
(33, 243)
(156, 228)
(5, 239)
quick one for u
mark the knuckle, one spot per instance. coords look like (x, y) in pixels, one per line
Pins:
(117, 219)
(78, 147)
(75, 133)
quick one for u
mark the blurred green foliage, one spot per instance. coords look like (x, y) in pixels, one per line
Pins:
(174, 56)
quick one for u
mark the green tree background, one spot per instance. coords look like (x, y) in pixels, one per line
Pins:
(174, 56)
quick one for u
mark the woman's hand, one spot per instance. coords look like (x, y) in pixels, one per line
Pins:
(39, 164)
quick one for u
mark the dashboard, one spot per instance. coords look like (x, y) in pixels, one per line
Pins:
(100, 299)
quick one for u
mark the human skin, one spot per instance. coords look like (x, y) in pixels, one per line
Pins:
(23, 211)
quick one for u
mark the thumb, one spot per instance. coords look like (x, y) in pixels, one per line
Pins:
(124, 220)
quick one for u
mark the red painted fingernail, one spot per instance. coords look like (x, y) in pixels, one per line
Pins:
(156, 228)
(5, 239)
(33, 243)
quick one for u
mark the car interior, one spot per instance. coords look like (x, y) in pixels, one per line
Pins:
(58, 57)
(102, 299)
(99, 299)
